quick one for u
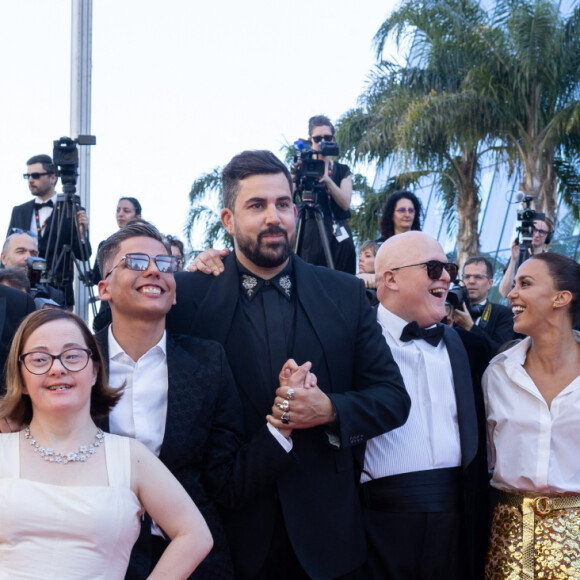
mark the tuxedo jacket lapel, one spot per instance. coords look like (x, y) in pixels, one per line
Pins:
(185, 397)
(312, 319)
(464, 395)
(102, 338)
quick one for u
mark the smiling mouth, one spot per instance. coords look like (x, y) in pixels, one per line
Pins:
(153, 290)
(438, 292)
(59, 388)
(518, 310)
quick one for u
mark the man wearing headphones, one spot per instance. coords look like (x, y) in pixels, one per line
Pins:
(542, 236)
(493, 321)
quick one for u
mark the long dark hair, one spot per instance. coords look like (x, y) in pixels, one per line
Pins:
(387, 225)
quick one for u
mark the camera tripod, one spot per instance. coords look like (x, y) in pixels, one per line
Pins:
(65, 224)
(308, 210)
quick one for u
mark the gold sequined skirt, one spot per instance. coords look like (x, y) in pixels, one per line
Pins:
(534, 536)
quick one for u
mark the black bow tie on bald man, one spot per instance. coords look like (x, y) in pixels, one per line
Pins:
(413, 332)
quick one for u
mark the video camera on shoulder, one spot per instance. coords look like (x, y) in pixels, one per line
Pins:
(308, 168)
(527, 216)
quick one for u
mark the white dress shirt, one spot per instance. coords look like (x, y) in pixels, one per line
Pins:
(430, 437)
(533, 447)
(43, 214)
(142, 411)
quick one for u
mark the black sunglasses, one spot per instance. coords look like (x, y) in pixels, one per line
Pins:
(435, 269)
(140, 263)
(35, 175)
(319, 138)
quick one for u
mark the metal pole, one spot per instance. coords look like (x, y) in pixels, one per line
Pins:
(80, 111)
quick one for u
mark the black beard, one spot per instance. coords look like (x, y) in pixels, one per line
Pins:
(265, 257)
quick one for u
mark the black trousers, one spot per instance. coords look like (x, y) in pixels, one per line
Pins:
(415, 527)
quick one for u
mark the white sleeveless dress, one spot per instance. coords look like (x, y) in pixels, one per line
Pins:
(58, 532)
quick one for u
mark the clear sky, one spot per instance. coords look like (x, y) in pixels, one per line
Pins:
(179, 87)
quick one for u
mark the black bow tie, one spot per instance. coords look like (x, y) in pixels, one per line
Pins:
(45, 204)
(431, 335)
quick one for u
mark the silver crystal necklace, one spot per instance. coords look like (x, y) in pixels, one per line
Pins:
(83, 453)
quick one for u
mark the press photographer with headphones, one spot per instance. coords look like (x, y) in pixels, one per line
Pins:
(333, 198)
(493, 321)
(542, 236)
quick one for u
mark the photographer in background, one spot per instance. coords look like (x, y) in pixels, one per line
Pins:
(20, 254)
(543, 232)
(493, 321)
(333, 197)
(37, 216)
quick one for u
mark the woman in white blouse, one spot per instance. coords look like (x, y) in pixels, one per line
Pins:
(532, 396)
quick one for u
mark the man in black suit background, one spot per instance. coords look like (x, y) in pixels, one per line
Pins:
(37, 216)
(180, 399)
(269, 306)
(494, 322)
(424, 484)
(14, 306)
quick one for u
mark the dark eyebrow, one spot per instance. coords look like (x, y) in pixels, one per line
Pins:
(524, 276)
(64, 347)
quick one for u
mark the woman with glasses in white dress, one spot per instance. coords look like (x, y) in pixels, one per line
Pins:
(71, 496)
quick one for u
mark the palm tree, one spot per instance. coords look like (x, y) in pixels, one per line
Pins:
(508, 84)
(205, 198)
(421, 114)
(533, 78)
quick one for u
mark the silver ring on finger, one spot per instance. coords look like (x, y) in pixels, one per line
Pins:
(290, 394)
(285, 418)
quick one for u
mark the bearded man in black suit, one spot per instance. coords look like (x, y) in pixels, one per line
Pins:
(179, 399)
(270, 306)
(424, 485)
(37, 217)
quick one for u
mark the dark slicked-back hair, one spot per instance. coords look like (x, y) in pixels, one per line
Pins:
(386, 225)
(15, 279)
(245, 165)
(134, 229)
(46, 161)
(565, 274)
(134, 202)
(480, 260)
(15, 405)
(319, 121)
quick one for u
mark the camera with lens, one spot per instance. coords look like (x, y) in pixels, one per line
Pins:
(527, 216)
(309, 167)
(457, 296)
(36, 272)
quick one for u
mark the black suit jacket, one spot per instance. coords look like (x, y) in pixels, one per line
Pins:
(498, 328)
(47, 246)
(202, 445)
(14, 306)
(469, 355)
(337, 331)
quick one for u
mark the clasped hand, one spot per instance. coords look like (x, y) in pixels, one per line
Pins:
(306, 407)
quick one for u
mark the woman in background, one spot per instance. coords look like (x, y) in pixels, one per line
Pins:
(128, 209)
(401, 213)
